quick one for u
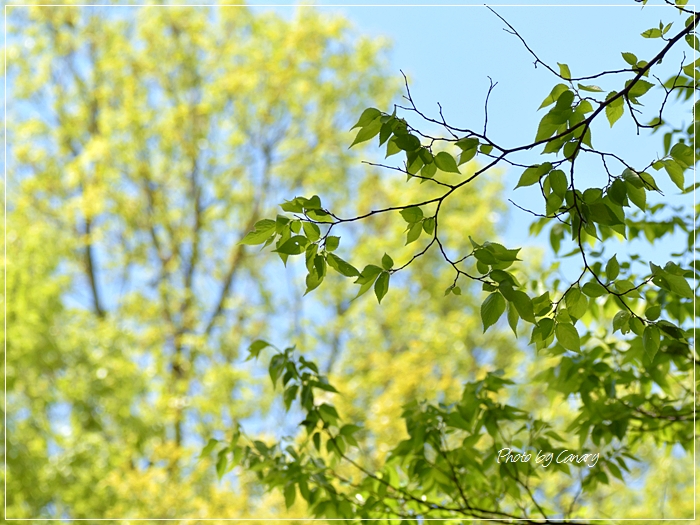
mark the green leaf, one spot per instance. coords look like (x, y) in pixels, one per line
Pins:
(568, 337)
(414, 232)
(293, 206)
(429, 225)
(621, 321)
(446, 162)
(289, 396)
(256, 347)
(486, 148)
(612, 268)
(293, 246)
(313, 281)
(367, 132)
(576, 303)
(391, 147)
(290, 494)
(367, 116)
(675, 173)
(564, 71)
(407, 142)
(262, 231)
(412, 214)
(558, 182)
(651, 340)
(652, 33)
(593, 89)
(533, 174)
(683, 155)
(615, 109)
(639, 88)
(342, 267)
(653, 312)
(593, 289)
(332, 243)
(492, 309)
(637, 195)
(630, 58)
(211, 444)
(313, 232)
(554, 95)
(221, 463)
(466, 156)
(513, 318)
(524, 305)
(381, 286)
(387, 262)
(429, 170)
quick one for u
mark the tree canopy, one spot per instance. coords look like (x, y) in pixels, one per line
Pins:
(168, 324)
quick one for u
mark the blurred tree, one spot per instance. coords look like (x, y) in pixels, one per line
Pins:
(144, 142)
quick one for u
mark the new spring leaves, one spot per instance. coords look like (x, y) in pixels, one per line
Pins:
(586, 214)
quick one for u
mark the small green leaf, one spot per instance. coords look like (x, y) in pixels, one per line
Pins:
(412, 214)
(313, 232)
(293, 246)
(637, 195)
(683, 155)
(593, 289)
(558, 182)
(533, 174)
(211, 444)
(675, 173)
(381, 286)
(630, 58)
(221, 463)
(513, 318)
(407, 142)
(262, 231)
(367, 116)
(446, 162)
(524, 305)
(651, 340)
(652, 33)
(615, 109)
(341, 266)
(290, 494)
(639, 88)
(554, 95)
(612, 268)
(492, 309)
(414, 232)
(367, 132)
(592, 89)
(332, 243)
(256, 347)
(564, 71)
(387, 262)
(621, 321)
(429, 225)
(568, 337)
(576, 303)
(653, 312)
